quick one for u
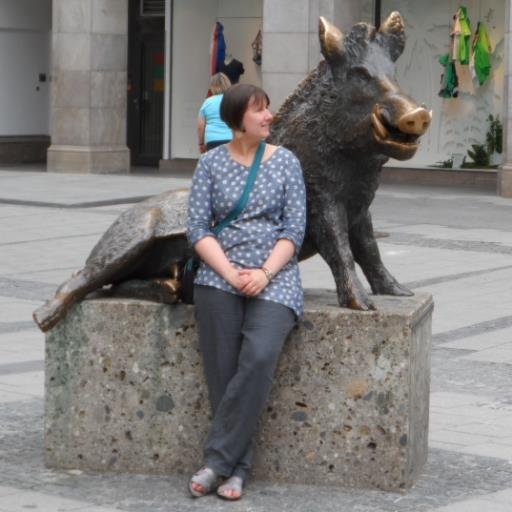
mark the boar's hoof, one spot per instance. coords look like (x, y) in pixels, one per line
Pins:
(356, 299)
(392, 288)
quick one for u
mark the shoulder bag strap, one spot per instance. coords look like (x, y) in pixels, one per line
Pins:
(242, 202)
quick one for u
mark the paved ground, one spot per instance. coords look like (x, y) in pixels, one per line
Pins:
(455, 244)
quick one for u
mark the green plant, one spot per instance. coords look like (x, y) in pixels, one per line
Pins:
(494, 136)
(479, 155)
(443, 164)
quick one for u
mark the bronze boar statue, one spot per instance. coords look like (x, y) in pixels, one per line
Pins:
(343, 122)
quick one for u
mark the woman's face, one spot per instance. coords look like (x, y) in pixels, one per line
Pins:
(257, 119)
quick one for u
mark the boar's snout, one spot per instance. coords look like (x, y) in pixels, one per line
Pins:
(415, 122)
(399, 138)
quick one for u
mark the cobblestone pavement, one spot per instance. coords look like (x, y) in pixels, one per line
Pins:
(454, 244)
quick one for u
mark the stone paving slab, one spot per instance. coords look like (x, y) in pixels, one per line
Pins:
(483, 341)
(17, 260)
(463, 208)
(47, 280)
(489, 236)
(472, 301)
(40, 502)
(499, 431)
(450, 400)
(10, 367)
(455, 266)
(477, 424)
(68, 190)
(458, 438)
(13, 310)
(26, 383)
(490, 449)
(9, 395)
(504, 496)
(7, 491)
(48, 226)
(20, 346)
(501, 354)
(12, 357)
(476, 505)
(26, 289)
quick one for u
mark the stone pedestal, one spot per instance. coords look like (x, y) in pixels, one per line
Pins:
(89, 62)
(349, 406)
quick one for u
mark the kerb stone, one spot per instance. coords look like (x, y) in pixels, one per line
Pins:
(349, 406)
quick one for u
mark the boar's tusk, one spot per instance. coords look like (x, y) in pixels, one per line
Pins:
(379, 128)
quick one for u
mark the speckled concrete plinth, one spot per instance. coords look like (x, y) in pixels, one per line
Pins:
(349, 407)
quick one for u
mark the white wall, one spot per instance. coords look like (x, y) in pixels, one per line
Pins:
(457, 123)
(25, 14)
(192, 25)
(24, 53)
(191, 34)
(291, 47)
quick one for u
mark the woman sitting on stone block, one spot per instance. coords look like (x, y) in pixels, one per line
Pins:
(248, 292)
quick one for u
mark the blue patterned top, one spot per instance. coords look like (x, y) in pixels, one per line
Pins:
(276, 209)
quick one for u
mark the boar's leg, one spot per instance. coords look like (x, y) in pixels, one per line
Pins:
(366, 253)
(328, 228)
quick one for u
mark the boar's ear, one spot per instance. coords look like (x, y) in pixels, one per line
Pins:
(393, 32)
(331, 42)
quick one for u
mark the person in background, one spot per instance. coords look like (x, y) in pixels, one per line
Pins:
(248, 291)
(232, 68)
(212, 131)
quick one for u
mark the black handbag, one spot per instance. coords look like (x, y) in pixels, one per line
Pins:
(191, 266)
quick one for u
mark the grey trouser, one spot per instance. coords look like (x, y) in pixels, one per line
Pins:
(240, 339)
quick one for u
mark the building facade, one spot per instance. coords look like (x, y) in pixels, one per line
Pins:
(127, 77)
(25, 32)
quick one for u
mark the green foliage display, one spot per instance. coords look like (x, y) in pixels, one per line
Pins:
(479, 155)
(444, 164)
(494, 136)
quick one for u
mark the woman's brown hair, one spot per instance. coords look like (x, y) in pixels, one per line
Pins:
(236, 100)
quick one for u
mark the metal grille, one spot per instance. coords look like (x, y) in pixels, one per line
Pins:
(152, 8)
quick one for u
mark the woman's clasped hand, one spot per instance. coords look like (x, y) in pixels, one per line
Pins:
(249, 281)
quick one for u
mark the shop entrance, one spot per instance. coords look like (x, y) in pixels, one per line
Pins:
(146, 31)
